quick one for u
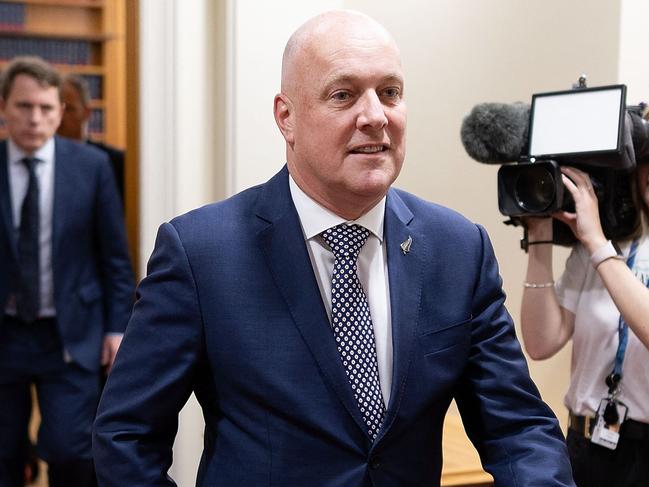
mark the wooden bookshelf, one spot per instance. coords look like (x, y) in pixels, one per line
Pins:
(86, 37)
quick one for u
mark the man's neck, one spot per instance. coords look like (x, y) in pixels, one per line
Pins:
(14, 147)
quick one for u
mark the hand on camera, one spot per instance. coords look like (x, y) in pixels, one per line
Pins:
(584, 222)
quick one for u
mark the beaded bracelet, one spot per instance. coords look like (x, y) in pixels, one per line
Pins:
(535, 285)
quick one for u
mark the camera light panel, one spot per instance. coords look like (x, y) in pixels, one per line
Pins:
(577, 121)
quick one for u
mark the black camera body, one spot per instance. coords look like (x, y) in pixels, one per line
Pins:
(587, 128)
(535, 189)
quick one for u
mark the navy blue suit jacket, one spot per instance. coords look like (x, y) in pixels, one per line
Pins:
(231, 310)
(93, 278)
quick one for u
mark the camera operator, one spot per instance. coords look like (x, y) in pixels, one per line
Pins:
(602, 302)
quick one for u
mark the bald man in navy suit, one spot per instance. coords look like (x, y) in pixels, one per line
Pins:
(324, 320)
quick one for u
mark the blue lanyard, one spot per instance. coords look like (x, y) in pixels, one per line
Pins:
(622, 327)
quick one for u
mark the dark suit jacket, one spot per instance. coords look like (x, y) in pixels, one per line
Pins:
(116, 158)
(93, 279)
(231, 310)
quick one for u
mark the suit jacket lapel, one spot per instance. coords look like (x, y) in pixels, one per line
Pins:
(284, 247)
(405, 272)
(5, 200)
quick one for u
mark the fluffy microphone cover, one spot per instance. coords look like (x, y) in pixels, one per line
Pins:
(496, 132)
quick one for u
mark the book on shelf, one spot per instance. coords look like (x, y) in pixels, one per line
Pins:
(12, 16)
(55, 51)
(96, 121)
(95, 85)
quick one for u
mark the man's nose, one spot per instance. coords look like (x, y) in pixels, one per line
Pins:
(372, 112)
(35, 115)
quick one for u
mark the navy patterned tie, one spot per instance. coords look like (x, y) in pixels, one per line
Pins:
(352, 323)
(28, 296)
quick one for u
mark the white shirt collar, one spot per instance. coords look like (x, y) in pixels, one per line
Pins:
(45, 153)
(315, 218)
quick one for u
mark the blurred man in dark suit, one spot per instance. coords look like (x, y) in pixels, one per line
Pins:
(66, 283)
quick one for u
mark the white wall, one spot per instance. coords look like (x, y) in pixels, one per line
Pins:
(634, 37)
(210, 71)
(177, 112)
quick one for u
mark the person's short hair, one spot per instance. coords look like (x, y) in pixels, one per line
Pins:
(80, 84)
(32, 66)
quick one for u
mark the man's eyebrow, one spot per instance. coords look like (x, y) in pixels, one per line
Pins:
(350, 78)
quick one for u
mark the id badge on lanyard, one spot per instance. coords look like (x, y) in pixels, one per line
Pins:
(612, 412)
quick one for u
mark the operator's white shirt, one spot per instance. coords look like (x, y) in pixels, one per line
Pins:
(595, 338)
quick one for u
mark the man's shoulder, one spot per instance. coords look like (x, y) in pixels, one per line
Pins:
(428, 211)
(71, 149)
(230, 212)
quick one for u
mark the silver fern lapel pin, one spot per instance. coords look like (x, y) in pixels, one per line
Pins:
(405, 245)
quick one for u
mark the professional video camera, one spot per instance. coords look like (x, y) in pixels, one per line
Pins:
(588, 128)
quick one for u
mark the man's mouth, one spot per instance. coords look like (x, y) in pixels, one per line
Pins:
(369, 149)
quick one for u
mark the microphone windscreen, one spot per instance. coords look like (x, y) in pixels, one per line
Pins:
(495, 133)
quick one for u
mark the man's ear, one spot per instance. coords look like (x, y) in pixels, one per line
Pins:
(284, 117)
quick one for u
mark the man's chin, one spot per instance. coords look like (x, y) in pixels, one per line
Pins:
(375, 181)
(373, 189)
(31, 144)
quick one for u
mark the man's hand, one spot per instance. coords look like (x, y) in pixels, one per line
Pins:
(109, 350)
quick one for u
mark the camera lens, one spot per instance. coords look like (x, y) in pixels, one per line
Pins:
(535, 189)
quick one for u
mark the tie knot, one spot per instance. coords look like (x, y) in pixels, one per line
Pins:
(345, 240)
(30, 162)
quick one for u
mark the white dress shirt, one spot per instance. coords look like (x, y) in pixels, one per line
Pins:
(18, 183)
(372, 269)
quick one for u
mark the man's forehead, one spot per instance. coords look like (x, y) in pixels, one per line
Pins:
(352, 62)
(43, 95)
(341, 39)
(335, 41)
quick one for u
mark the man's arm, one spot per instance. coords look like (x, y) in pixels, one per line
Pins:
(515, 432)
(153, 375)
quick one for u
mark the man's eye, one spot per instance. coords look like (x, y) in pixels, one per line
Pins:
(341, 96)
(392, 92)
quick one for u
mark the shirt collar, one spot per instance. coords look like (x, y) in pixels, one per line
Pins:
(315, 218)
(45, 153)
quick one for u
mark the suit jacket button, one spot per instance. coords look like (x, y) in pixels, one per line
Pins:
(375, 463)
